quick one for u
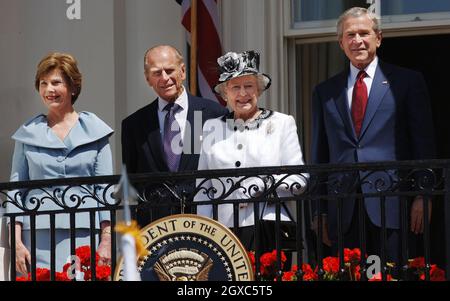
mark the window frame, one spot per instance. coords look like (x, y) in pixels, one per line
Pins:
(294, 37)
(392, 25)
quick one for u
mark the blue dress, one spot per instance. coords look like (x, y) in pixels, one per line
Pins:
(38, 155)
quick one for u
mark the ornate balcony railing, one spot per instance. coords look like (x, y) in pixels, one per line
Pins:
(307, 189)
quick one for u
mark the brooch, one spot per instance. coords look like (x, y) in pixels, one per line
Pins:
(270, 128)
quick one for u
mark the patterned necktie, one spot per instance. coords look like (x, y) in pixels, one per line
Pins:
(359, 102)
(172, 130)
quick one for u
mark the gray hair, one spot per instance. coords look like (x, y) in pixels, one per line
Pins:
(179, 57)
(356, 12)
(260, 81)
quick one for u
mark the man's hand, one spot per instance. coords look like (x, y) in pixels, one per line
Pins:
(417, 217)
(315, 228)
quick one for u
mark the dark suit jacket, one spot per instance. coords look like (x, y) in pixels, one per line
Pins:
(397, 126)
(142, 148)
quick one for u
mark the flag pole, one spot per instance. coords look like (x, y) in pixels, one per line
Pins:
(194, 41)
(130, 244)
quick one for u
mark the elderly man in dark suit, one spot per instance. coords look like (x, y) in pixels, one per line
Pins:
(165, 135)
(373, 111)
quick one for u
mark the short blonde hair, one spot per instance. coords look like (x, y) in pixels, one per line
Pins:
(65, 63)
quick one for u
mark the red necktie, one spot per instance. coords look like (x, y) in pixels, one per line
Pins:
(359, 101)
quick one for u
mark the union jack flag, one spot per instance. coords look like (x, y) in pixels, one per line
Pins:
(209, 45)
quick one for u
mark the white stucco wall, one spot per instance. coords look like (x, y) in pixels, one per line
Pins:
(108, 41)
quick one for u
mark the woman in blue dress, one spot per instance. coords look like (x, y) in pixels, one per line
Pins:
(61, 144)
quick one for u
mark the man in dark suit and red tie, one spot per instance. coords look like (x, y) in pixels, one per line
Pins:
(373, 111)
(165, 135)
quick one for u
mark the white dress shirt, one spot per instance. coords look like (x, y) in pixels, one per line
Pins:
(180, 115)
(370, 70)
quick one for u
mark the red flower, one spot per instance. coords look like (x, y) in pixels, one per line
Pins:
(84, 254)
(61, 276)
(267, 259)
(103, 273)
(268, 263)
(308, 273)
(87, 275)
(251, 256)
(331, 265)
(66, 267)
(289, 276)
(417, 263)
(356, 273)
(352, 256)
(436, 274)
(42, 274)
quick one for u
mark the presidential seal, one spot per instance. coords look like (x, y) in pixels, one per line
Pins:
(188, 247)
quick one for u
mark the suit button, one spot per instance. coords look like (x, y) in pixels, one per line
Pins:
(359, 146)
(239, 146)
(238, 163)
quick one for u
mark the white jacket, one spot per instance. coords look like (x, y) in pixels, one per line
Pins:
(272, 140)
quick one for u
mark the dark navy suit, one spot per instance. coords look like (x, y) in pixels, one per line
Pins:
(142, 147)
(397, 126)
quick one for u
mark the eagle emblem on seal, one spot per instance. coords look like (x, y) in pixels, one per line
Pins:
(183, 265)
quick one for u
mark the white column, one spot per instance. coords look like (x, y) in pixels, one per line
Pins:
(258, 25)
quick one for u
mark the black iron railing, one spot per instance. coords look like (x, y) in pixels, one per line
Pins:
(306, 188)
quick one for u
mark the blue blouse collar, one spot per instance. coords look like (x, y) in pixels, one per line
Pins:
(36, 132)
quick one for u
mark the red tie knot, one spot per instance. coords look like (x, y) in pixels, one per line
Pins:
(361, 75)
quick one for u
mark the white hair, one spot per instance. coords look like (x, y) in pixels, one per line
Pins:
(261, 81)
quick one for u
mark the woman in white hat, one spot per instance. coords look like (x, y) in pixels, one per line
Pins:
(249, 136)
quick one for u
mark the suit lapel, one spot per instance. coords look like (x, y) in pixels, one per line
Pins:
(153, 148)
(187, 161)
(342, 104)
(380, 86)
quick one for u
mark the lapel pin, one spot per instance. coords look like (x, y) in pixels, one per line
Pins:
(385, 82)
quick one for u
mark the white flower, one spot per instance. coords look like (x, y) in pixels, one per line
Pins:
(231, 64)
